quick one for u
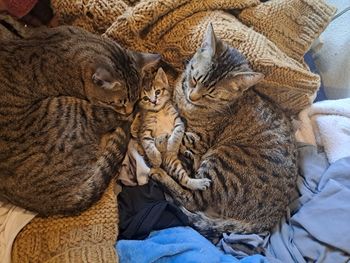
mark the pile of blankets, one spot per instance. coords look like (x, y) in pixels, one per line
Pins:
(273, 36)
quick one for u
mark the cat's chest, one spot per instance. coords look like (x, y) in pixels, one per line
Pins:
(164, 124)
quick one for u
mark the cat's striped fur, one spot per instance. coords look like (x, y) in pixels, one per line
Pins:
(61, 90)
(246, 145)
(161, 121)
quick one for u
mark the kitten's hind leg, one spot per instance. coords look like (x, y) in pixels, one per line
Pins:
(180, 195)
(174, 167)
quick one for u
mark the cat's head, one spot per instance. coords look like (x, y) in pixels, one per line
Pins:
(155, 92)
(113, 75)
(116, 84)
(217, 74)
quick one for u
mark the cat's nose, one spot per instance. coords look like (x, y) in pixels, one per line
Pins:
(129, 109)
(194, 96)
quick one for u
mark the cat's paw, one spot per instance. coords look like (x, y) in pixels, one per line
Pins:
(190, 138)
(157, 174)
(161, 141)
(198, 184)
(189, 155)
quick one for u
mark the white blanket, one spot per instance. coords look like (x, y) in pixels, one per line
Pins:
(327, 124)
(12, 220)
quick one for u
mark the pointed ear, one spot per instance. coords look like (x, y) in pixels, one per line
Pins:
(161, 77)
(103, 78)
(145, 61)
(245, 80)
(209, 41)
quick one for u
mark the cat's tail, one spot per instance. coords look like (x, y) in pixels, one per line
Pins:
(213, 228)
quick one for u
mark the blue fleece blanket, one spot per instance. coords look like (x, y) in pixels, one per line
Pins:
(176, 245)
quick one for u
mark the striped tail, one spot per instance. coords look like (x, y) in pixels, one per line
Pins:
(213, 228)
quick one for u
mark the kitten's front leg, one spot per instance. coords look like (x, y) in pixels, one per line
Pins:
(148, 144)
(175, 138)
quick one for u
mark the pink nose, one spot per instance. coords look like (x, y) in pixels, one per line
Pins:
(194, 96)
(129, 109)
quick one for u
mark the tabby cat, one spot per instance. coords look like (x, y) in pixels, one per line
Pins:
(246, 145)
(62, 89)
(160, 121)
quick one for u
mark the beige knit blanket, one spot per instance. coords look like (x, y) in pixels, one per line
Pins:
(89, 237)
(273, 36)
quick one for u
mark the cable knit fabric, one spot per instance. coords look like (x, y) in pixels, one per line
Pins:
(88, 237)
(273, 36)
(295, 25)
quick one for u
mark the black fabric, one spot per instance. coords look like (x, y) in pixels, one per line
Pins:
(143, 209)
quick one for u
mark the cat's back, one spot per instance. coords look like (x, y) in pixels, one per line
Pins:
(254, 120)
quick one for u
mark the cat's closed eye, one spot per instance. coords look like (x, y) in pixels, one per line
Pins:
(194, 81)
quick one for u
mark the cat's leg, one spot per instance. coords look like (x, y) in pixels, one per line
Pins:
(176, 136)
(180, 195)
(188, 149)
(214, 163)
(174, 167)
(152, 153)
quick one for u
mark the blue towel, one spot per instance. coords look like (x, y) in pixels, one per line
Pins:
(176, 245)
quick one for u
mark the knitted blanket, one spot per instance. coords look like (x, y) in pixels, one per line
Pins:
(273, 36)
(88, 237)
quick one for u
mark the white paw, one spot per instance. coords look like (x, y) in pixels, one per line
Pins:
(198, 184)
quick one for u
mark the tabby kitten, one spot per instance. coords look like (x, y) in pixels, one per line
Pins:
(245, 142)
(160, 121)
(62, 89)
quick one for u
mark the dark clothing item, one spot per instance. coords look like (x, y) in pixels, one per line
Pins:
(143, 209)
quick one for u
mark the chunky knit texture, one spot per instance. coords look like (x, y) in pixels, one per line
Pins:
(273, 36)
(88, 237)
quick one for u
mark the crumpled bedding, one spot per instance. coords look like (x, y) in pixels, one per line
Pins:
(176, 245)
(318, 227)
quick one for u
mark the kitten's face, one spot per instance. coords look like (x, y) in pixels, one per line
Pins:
(217, 74)
(156, 93)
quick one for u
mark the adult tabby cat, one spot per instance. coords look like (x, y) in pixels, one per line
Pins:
(61, 90)
(245, 143)
(159, 119)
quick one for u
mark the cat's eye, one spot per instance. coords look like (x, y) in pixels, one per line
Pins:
(157, 92)
(145, 98)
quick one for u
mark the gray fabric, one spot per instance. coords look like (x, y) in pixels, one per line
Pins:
(318, 229)
(241, 246)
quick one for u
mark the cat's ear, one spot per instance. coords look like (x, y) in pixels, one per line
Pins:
(146, 61)
(211, 45)
(245, 80)
(161, 77)
(103, 78)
